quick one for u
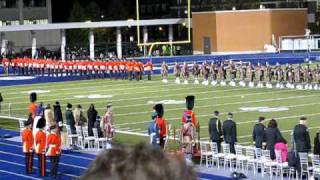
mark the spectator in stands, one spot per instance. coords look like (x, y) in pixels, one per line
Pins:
(58, 115)
(70, 118)
(138, 163)
(79, 117)
(258, 134)
(282, 146)
(48, 115)
(230, 132)
(215, 130)
(1, 100)
(272, 135)
(92, 117)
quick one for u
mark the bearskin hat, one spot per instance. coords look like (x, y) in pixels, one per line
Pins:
(159, 110)
(190, 102)
(41, 123)
(69, 106)
(33, 97)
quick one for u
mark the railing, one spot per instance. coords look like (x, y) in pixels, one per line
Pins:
(299, 43)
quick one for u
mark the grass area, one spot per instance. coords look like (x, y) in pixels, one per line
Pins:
(133, 101)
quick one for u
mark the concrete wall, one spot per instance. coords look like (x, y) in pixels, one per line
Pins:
(245, 30)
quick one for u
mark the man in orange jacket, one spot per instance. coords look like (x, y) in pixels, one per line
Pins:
(162, 124)
(149, 69)
(40, 141)
(54, 149)
(27, 144)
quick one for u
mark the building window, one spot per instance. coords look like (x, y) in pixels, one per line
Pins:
(34, 3)
(8, 4)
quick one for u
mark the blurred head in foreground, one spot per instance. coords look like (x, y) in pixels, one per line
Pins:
(140, 162)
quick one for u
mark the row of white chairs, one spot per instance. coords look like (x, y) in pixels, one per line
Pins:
(250, 158)
(83, 140)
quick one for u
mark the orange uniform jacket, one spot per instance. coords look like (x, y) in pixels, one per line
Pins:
(53, 144)
(149, 66)
(27, 140)
(193, 117)
(40, 142)
(162, 126)
(32, 109)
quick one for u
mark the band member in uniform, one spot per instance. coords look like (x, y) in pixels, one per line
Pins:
(54, 149)
(187, 137)
(154, 131)
(258, 134)
(1, 100)
(27, 144)
(205, 69)
(195, 72)
(260, 70)
(107, 123)
(229, 130)
(213, 73)
(164, 72)
(185, 72)
(33, 105)
(215, 130)
(233, 73)
(177, 72)
(162, 124)
(252, 73)
(222, 74)
(149, 69)
(189, 111)
(40, 146)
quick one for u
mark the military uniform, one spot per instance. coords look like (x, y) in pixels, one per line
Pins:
(27, 144)
(40, 146)
(230, 133)
(54, 150)
(215, 131)
(258, 135)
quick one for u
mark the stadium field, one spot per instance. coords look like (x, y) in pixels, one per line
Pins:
(132, 102)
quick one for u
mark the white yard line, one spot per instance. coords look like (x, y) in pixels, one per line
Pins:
(70, 165)
(15, 174)
(223, 104)
(68, 155)
(23, 165)
(146, 104)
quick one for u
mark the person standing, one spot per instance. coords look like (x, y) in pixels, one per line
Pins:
(281, 146)
(27, 144)
(154, 131)
(58, 115)
(1, 100)
(272, 134)
(79, 117)
(162, 124)
(258, 134)
(149, 69)
(54, 149)
(107, 123)
(48, 115)
(316, 145)
(215, 130)
(33, 105)
(40, 144)
(70, 118)
(92, 117)
(301, 136)
(230, 132)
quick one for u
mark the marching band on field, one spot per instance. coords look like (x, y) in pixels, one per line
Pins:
(247, 74)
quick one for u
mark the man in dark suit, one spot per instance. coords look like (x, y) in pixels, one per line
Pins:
(230, 132)
(301, 136)
(258, 134)
(215, 130)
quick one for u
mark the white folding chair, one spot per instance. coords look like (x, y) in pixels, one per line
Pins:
(205, 154)
(251, 161)
(80, 139)
(304, 165)
(268, 164)
(282, 167)
(98, 140)
(88, 139)
(240, 158)
(316, 165)
(229, 158)
(216, 156)
(72, 138)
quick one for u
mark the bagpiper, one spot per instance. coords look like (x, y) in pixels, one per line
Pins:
(195, 72)
(177, 72)
(185, 72)
(164, 72)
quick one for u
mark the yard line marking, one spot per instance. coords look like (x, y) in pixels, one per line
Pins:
(207, 115)
(134, 130)
(146, 104)
(93, 90)
(15, 174)
(74, 166)
(79, 157)
(233, 103)
(47, 170)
